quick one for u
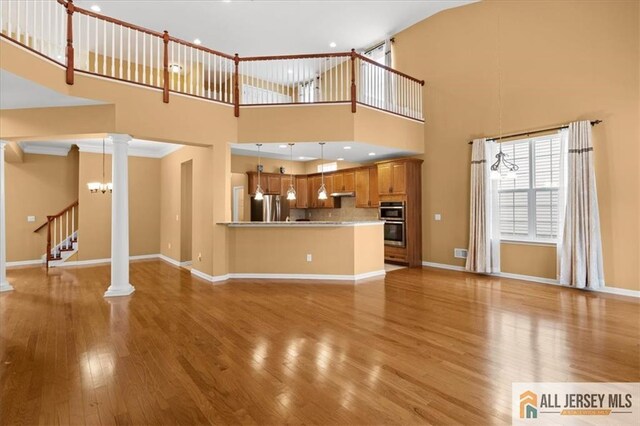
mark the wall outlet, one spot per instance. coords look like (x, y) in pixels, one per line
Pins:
(309, 258)
(169, 246)
(199, 257)
(177, 218)
(31, 218)
(460, 253)
(437, 216)
(329, 214)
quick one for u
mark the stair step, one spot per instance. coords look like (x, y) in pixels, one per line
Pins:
(67, 249)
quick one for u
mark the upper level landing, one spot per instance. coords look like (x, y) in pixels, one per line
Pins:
(157, 87)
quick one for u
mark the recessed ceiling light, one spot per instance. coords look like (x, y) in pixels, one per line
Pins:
(197, 41)
(371, 154)
(175, 68)
(332, 44)
(347, 147)
(282, 146)
(302, 158)
(290, 71)
(340, 159)
(95, 8)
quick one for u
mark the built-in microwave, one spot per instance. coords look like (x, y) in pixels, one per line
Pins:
(392, 210)
(395, 233)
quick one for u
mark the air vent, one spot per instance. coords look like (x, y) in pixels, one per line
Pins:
(460, 253)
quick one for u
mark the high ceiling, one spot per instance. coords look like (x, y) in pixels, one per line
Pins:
(269, 27)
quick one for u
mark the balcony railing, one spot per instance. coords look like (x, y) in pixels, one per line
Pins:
(85, 41)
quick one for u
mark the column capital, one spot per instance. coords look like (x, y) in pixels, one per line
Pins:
(3, 144)
(119, 138)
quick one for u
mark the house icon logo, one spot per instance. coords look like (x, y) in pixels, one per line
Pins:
(528, 405)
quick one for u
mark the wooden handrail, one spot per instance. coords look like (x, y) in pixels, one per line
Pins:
(384, 67)
(51, 217)
(303, 56)
(199, 47)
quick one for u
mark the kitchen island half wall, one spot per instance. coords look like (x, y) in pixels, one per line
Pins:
(280, 250)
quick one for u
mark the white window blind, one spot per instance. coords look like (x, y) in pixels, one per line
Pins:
(529, 203)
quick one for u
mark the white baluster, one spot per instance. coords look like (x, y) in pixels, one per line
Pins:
(104, 47)
(137, 71)
(73, 220)
(144, 58)
(113, 50)
(120, 54)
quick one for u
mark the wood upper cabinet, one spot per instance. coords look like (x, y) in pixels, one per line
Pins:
(392, 178)
(338, 182)
(273, 184)
(344, 181)
(302, 192)
(328, 184)
(314, 185)
(253, 182)
(366, 187)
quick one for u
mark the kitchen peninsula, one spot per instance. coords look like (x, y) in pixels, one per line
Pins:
(306, 250)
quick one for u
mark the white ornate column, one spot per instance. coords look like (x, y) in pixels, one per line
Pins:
(120, 285)
(4, 284)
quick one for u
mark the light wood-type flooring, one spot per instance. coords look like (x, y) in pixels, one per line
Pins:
(420, 346)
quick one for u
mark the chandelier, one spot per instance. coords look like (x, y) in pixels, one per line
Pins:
(291, 192)
(102, 186)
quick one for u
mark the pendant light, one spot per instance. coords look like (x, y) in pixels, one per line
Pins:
(322, 192)
(291, 192)
(501, 158)
(103, 187)
(259, 192)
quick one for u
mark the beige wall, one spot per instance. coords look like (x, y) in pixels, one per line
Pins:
(94, 225)
(38, 186)
(561, 61)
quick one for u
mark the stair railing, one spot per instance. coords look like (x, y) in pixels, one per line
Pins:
(61, 232)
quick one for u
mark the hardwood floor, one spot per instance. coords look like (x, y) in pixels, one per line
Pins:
(421, 346)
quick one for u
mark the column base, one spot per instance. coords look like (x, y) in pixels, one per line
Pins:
(5, 286)
(119, 291)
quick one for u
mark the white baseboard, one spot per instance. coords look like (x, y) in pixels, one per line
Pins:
(169, 260)
(25, 263)
(315, 277)
(540, 280)
(105, 260)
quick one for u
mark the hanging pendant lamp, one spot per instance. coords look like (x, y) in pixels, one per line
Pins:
(291, 192)
(502, 164)
(102, 186)
(259, 192)
(322, 192)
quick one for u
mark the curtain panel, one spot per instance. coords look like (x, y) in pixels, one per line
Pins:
(484, 240)
(580, 246)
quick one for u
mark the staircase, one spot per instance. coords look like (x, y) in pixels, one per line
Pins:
(62, 236)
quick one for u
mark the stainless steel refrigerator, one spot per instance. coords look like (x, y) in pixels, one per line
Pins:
(272, 208)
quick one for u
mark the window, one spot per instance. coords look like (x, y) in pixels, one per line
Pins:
(529, 203)
(327, 167)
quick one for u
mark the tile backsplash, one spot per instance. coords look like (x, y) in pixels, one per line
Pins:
(347, 212)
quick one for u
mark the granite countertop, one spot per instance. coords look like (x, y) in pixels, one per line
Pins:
(302, 224)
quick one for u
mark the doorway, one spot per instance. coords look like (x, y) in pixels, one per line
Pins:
(186, 212)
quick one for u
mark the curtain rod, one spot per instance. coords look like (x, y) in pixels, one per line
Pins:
(533, 132)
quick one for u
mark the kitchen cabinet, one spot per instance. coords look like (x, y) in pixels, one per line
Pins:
(344, 181)
(392, 178)
(314, 186)
(253, 182)
(273, 184)
(302, 192)
(285, 183)
(366, 187)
